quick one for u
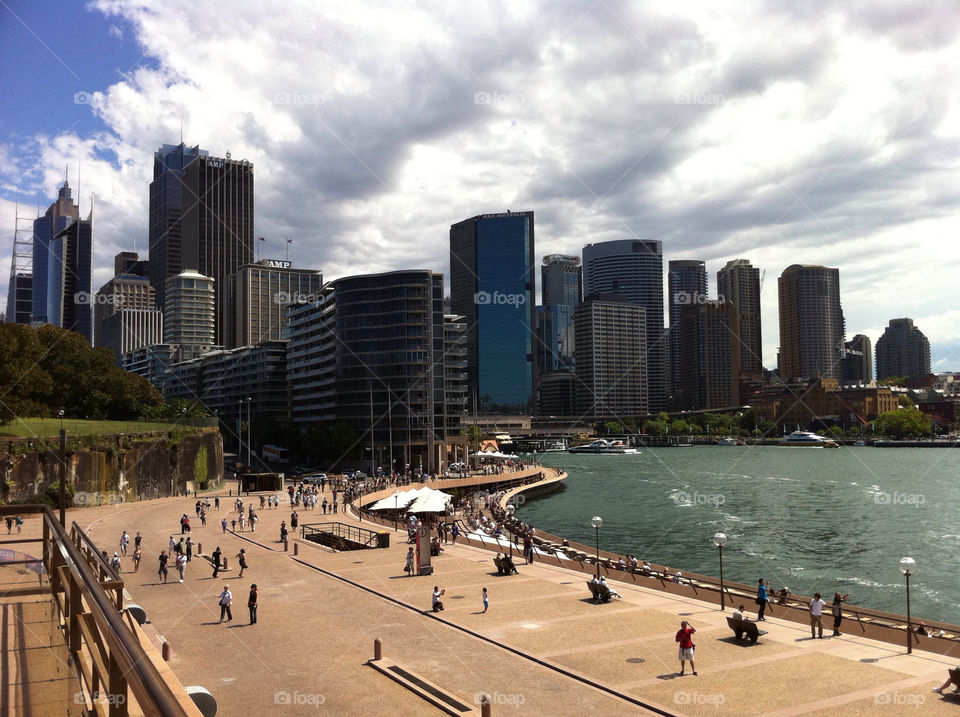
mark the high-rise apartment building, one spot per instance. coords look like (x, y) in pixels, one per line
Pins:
(188, 315)
(686, 285)
(738, 283)
(708, 335)
(633, 269)
(493, 287)
(260, 294)
(858, 360)
(555, 338)
(561, 280)
(138, 326)
(70, 278)
(611, 376)
(201, 219)
(903, 350)
(58, 215)
(811, 323)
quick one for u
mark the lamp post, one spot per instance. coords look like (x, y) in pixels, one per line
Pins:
(720, 539)
(908, 566)
(249, 429)
(597, 522)
(396, 508)
(511, 509)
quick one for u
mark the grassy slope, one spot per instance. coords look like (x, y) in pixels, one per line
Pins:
(45, 427)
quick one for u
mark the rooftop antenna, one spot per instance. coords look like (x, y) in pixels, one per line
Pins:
(181, 131)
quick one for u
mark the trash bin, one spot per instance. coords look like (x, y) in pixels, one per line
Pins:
(383, 540)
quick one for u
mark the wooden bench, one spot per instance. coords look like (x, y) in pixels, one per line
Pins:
(599, 592)
(745, 628)
(505, 566)
(955, 677)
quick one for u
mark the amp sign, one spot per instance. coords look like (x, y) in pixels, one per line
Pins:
(277, 264)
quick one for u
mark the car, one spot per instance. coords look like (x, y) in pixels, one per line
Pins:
(300, 470)
(314, 478)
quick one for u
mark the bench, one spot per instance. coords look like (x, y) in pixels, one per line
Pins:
(599, 592)
(745, 628)
(505, 566)
(955, 677)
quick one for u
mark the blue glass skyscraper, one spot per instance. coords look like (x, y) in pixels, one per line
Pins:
(492, 283)
(57, 217)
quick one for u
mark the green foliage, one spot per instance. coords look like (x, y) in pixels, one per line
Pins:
(175, 410)
(655, 428)
(200, 467)
(903, 422)
(613, 427)
(679, 427)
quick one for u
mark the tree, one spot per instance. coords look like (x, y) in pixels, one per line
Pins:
(614, 427)
(679, 427)
(903, 422)
(655, 428)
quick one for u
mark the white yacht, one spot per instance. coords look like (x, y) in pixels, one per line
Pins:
(603, 446)
(806, 438)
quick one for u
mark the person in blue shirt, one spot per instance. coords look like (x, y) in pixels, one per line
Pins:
(761, 599)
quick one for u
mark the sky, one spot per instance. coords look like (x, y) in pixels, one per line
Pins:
(782, 132)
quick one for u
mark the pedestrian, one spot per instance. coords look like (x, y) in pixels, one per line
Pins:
(162, 570)
(173, 545)
(197, 508)
(181, 564)
(262, 501)
(242, 558)
(223, 524)
(189, 549)
(115, 563)
(253, 602)
(685, 638)
(183, 524)
(455, 532)
(294, 517)
(226, 597)
(137, 540)
(437, 594)
(334, 505)
(323, 505)
(203, 517)
(253, 522)
(124, 542)
(19, 521)
(216, 561)
(9, 522)
(837, 610)
(216, 502)
(233, 525)
(761, 599)
(408, 567)
(486, 603)
(283, 531)
(243, 522)
(816, 616)
(136, 559)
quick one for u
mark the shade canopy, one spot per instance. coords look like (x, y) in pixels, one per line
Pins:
(433, 502)
(399, 500)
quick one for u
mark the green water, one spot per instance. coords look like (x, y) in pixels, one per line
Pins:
(811, 519)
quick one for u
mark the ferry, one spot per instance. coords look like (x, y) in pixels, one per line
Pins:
(806, 438)
(603, 446)
(728, 441)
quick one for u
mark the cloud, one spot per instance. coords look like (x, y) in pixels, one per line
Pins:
(803, 133)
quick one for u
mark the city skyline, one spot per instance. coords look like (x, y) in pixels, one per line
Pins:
(774, 144)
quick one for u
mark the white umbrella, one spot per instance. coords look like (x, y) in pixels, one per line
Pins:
(433, 502)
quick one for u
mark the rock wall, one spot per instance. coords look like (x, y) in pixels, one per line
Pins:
(117, 471)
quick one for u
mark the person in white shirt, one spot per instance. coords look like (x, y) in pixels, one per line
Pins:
(816, 616)
(605, 585)
(738, 613)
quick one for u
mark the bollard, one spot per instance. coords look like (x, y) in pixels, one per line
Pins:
(165, 651)
(199, 548)
(485, 705)
(377, 649)
(224, 564)
(296, 548)
(284, 544)
(231, 493)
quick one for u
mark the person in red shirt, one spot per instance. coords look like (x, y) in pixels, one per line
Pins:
(685, 638)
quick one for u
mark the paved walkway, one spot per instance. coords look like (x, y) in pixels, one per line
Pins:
(316, 630)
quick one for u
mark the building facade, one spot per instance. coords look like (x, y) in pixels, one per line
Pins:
(58, 215)
(708, 338)
(492, 282)
(686, 286)
(611, 357)
(858, 360)
(903, 350)
(70, 278)
(738, 283)
(124, 291)
(188, 316)
(126, 330)
(561, 280)
(634, 271)
(811, 323)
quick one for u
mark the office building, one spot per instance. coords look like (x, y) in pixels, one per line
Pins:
(903, 350)
(69, 282)
(260, 295)
(555, 338)
(129, 263)
(19, 298)
(557, 394)
(708, 336)
(738, 283)
(611, 357)
(58, 215)
(858, 360)
(686, 285)
(492, 284)
(124, 291)
(561, 280)
(634, 270)
(129, 329)
(373, 350)
(811, 323)
(188, 316)
(151, 362)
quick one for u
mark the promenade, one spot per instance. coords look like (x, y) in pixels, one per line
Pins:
(542, 648)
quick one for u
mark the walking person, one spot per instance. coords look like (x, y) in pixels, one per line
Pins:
(253, 602)
(685, 638)
(408, 567)
(136, 559)
(216, 561)
(19, 521)
(486, 602)
(189, 549)
(216, 502)
(162, 569)
(115, 563)
(837, 610)
(181, 564)
(9, 522)
(124, 542)
(762, 599)
(226, 598)
(223, 525)
(242, 559)
(203, 517)
(816, 616)
(137, 540)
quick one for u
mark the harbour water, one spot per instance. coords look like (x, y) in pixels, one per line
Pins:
(810, 519)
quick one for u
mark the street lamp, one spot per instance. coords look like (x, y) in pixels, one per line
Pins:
(396, 508)
(597, 522)
(249, 429)
(908, 566)
(720, 539)
(511, 509)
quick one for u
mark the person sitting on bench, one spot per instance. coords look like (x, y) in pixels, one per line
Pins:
(605, 588)
(950, 679)
(738, 613)
(508, 565)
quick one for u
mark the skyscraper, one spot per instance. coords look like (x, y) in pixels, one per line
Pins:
(858, 360)
(57, 217)
(708, 334)
(201, 219)
(633, 269)
(561, 280)
(903, 350)
(70, 278)
(738, 283)
(686, 285)
(188, 314)
(811, 323)
(125, 314)
(493, 287)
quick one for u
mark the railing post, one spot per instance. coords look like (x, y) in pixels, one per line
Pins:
(117, 690)
(74, 619)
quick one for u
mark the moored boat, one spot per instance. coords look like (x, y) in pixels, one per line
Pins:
(604, 446)
(807, 438)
